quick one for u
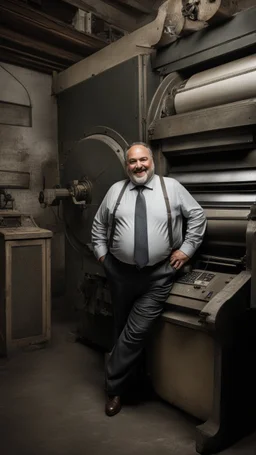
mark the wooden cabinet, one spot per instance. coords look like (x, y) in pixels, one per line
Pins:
(25, 287)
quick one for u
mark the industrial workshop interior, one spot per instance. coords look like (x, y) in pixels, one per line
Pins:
(82, 81)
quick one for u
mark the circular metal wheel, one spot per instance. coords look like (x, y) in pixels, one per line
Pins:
(100, 159)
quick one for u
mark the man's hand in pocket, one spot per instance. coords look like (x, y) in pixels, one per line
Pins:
(178, 259)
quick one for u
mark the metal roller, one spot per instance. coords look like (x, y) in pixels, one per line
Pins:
(227, 226)
(234, 81)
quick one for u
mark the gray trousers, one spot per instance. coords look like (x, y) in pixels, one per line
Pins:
(138, 298)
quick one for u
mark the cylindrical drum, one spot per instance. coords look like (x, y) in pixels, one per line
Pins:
(234, 81)
(226, 231)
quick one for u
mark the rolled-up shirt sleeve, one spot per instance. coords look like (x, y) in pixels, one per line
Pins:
(196, 222)
(100, 229)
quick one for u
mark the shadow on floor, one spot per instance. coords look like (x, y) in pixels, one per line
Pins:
(52, 403)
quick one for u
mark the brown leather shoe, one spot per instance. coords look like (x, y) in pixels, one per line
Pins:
(113, 406)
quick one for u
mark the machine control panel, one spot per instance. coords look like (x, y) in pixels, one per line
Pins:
(194, 289)
(197, 278)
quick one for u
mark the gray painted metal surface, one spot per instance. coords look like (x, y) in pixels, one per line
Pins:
(109, 99)
(227, 39)
(212, 119)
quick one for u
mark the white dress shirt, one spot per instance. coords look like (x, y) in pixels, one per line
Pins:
(182, 205)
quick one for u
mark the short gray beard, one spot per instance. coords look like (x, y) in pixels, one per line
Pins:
(141, 180)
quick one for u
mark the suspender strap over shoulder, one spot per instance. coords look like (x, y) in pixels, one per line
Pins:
(110, 241)
(168, 208)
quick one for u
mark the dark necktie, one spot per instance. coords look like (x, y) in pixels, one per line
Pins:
(140, 230)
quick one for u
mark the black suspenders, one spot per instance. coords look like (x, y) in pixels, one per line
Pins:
(110, 241)
(168, 208)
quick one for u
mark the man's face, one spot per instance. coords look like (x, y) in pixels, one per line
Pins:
(140, 164)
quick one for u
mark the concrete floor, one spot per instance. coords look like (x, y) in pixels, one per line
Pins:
(52, 403)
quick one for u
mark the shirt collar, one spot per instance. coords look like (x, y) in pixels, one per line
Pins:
(149, 184)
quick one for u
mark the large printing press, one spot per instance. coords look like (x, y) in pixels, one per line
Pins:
(194, 101)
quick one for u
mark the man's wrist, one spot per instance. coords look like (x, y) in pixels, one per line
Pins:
(100, 251)
(187, 249)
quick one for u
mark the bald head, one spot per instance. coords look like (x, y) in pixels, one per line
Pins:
(134, 144)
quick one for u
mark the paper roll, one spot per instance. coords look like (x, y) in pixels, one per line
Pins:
(227, 83)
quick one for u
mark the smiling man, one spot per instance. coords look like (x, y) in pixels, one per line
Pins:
(137, 236)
